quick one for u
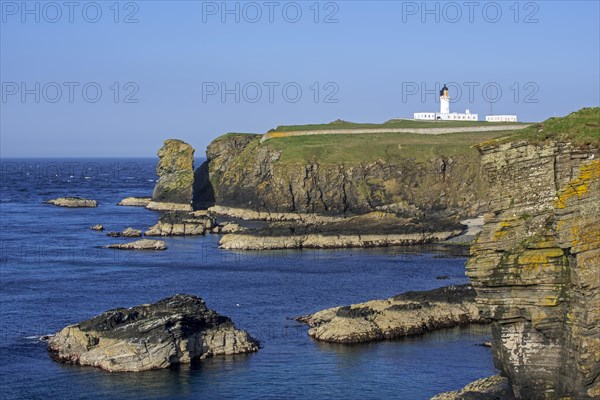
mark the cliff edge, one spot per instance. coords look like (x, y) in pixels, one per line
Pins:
(536, 264)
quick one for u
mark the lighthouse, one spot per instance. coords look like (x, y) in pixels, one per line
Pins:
(444, 101)
(445, 114)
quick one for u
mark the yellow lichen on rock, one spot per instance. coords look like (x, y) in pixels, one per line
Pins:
(579, 186)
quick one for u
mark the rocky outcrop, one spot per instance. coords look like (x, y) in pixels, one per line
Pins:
(536, 263)
(181, 224)
(376, 229)
(228, 227)
(220, 155)
(242, 173)
(73, 202)
(142, 244)
(175, 170)
(162, 206)
(175, 330)
(98, 227)
(411, 313)
(128, 232)
(251, 215)
(135, 201)
(490, 388)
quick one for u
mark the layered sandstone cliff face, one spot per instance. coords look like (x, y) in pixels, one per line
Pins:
(242, 173)
(536, 265)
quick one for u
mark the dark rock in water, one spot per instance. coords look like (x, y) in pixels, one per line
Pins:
(143, 244)
(175, 330)
(442, 277)
(173, 190)
(73, 202)
(410, 313)
(178, 223)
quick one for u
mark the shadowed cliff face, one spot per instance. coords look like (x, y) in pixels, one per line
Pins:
(536, 266)
(241, 172)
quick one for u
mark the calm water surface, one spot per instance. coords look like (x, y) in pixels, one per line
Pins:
(53, 273)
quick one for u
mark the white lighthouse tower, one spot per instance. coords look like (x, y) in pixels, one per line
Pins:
(445, 114)
(444, 101)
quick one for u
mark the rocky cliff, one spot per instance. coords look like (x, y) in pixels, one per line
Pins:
(173, 190)
(432, 177)
(536, 263)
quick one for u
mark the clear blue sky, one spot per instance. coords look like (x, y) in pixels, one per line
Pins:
(373, 57)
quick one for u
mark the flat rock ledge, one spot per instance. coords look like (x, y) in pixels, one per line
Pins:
(142, 244)
(135, 201)
(73, 202)
(374, 229)
(246, 241)
(407, 314)
(491, 388)
(175, 330)
(165, 206)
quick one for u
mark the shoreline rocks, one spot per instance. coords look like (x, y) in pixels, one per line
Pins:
(375, 229)
(134, 201)
(175, 330)
(228, 227)
(128, 232)
(142, 244)
(181, 224)
(491, 388)
(73, 202)
(407, 314)
(165, 206)
(252, 215)
(244, 241)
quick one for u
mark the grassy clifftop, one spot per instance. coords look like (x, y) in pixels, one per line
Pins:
(581, 126)
(334, 149)
(391, 124)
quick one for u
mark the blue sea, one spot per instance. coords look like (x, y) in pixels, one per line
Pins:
(53, 272)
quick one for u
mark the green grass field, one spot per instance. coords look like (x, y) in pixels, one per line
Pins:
(378, 146)
(582, 126)
(394, 123)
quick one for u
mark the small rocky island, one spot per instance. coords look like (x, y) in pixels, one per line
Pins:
(407, 314)
(73, 202)
(175, 330)
(142, 244)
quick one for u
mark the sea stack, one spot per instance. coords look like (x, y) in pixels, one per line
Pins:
(173, 190)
